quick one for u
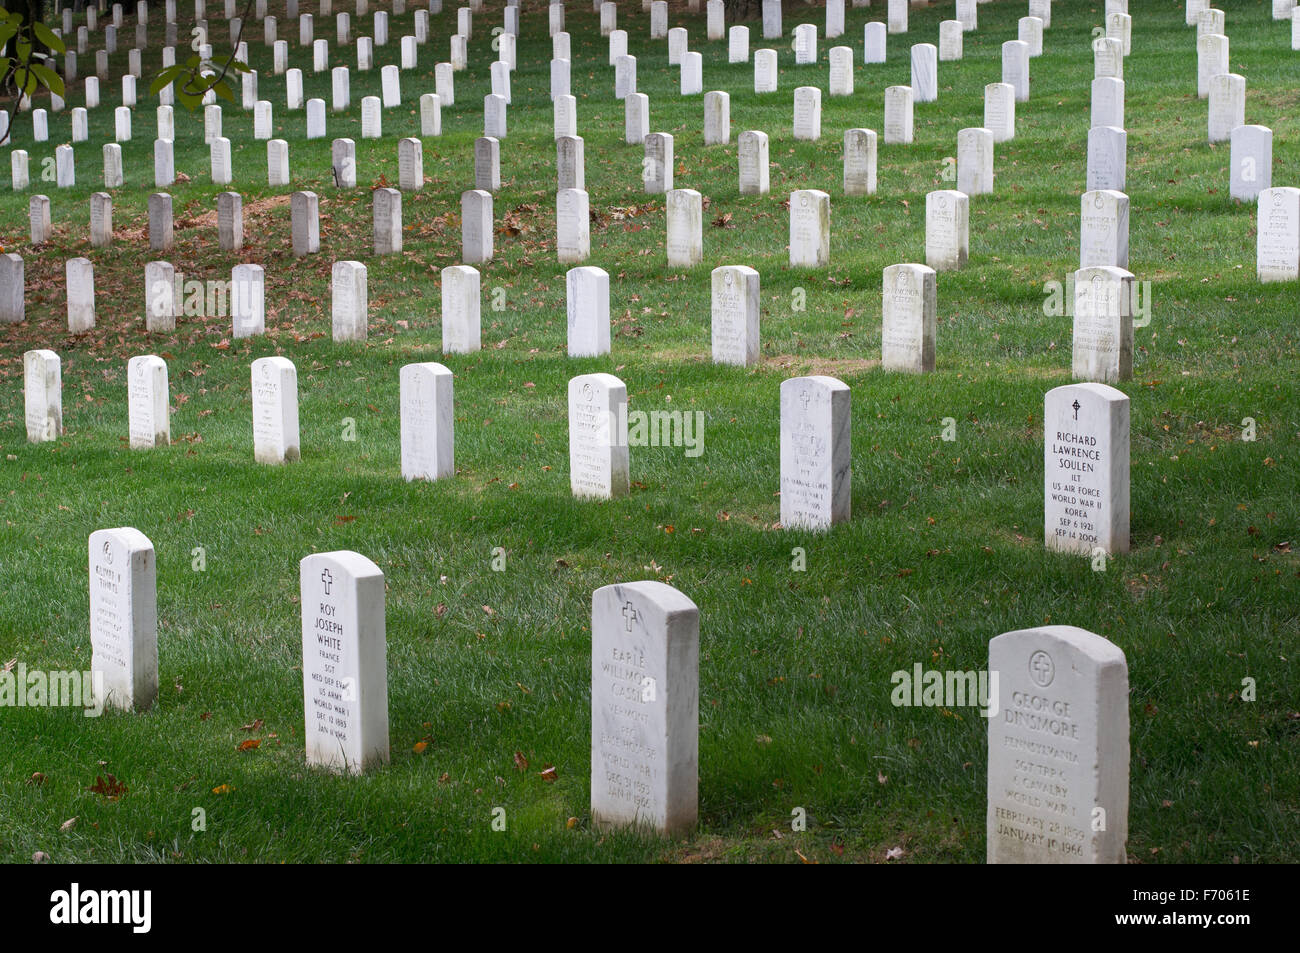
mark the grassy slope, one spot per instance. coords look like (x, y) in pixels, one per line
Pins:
(944, 551)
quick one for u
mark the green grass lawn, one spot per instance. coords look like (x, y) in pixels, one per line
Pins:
(944, 550)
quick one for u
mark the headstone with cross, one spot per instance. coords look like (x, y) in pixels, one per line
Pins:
(275, 411)
(909, 306)
(816, 456)
(1086, 469)
(1058, 748)
(1103, 325)
(344, 661)
(148, 417)
(598, 447)
(645, 643)
(123, 618)
(735, 310)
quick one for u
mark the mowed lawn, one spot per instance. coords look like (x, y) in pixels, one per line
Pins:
(489, 671)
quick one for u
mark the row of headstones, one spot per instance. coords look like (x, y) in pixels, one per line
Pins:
(677, 39)
(340, 77)
(365, 47)
(1104, 228)
(220, 148)
(923, 66)
(841, 80)
(1118, 31)
(1085, 464)
(1106, 147)
(1058, 701)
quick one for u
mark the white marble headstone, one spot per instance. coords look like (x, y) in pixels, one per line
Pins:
(1107, 158)
(387, 215)
(947, 229)
(344, 662)
(735, 315)
(816, 452)
(975, 161)
(247, 300)
(42, 395)
(587, 304)
(1058, 749)
(275, 410)
(898, 115)
(1277, 226)
(1103, 228)
(476, 235)
(572, 226)
(349, 301)
(147, 398)
(428, 422)
(685, 228)
(1251, 163)
(598, 446)
(908, 323)
(461, 310)
(124, 618)
(645, 646)
(753, 160)
(859, 162)
(1086, 469)
(925, 73)
(810, 229)
(79, 275)
(1102, 347)
(807, 113)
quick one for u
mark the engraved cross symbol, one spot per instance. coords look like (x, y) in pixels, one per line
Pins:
(327, 579)
(1075, 405)
(1040, 667)
(805, 397)
(629, 615)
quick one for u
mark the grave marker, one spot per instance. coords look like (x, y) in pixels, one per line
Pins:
(428, 422)
(344, 662)
(1103, 229)
(645, 646)
(598, 447)
(735, 315)
(275, 411)
(816, 453)
(1086, 469)
(149, 422)
(461, 306)
(349, 301)
(123, 619)
(587, 306)
(1062, 714)
(908, 325)
(42, 395)
(685, 228)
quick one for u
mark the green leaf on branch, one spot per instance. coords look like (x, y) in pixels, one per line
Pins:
(48, 78)
(165, 79)
(222, 90)
(47, 36)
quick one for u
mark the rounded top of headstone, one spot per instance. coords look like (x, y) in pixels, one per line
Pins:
(585, 385)
(1046, 666)
(353, 564)
(105, 541)
(1097, 391)
(661, 595)
(819, 381)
